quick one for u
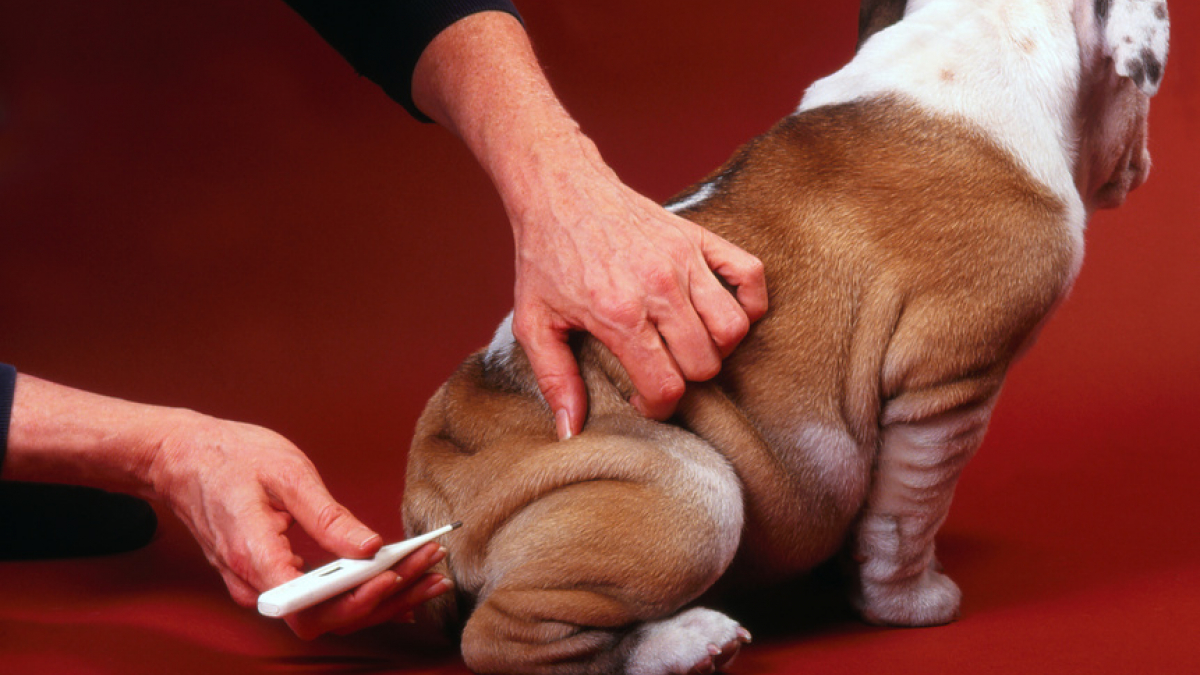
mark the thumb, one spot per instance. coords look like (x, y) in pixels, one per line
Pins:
(557, 376)
(329, 523)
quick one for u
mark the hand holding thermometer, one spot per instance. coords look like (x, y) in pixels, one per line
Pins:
(338, 576)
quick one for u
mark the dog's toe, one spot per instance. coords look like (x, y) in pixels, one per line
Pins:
(724, 656)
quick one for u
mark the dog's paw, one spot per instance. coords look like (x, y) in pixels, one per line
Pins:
(698, 641)
(931, 599)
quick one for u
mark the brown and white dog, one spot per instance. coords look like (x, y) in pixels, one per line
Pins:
(919, 217)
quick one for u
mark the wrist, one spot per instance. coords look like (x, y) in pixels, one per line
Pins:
(540, 177)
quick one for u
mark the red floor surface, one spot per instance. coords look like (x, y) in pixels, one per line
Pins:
(201, 205)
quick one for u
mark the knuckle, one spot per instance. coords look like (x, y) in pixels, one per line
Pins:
(331, 516)
(239, 564)
(696, 365)
(622, 314)
(704, 370)
(555, 385)
(524, 326)
(728, 332)
(295, 470)
(670, 390)
(754, 267)
(244, 597)
(661, 281)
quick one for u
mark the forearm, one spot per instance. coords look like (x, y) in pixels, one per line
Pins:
(63, 435)
(384, 39)
(481, 80)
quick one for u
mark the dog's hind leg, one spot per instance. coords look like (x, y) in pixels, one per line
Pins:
(589, 577)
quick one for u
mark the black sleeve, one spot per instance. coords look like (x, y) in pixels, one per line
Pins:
(382, 39)
(8, 383)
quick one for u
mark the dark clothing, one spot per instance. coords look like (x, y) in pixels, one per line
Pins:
(8, 383)
(382, 39)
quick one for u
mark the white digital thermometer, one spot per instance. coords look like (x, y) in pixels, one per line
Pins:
(338, 576)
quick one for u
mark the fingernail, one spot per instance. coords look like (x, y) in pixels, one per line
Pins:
(562, 421)
(396, 588)
(639, 404)
(439, 588)
(438, 556)
(366, 538)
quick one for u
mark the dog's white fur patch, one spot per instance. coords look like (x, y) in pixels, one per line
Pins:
(676, 644)
(500, 349)
(844, 467)
(698, 197)
(1137, 32)
(1022, 92)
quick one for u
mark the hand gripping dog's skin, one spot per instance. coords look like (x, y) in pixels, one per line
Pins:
(919, 217)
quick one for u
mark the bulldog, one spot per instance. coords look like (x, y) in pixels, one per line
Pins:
(920, 215)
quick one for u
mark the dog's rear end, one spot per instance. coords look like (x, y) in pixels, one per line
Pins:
(912, 252)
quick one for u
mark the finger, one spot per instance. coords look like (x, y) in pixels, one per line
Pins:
(724, 319)
(381, 599)
(269, 571)
(281, 520)
(740, 269)
(689, 342)
(557, 373)
(419, 561)
(250, 544)
(652, 370)
(242, 593)
(402, 605)
(670, 312)
(346, 609)
(255, 559)
(328, 522)
(351, 609)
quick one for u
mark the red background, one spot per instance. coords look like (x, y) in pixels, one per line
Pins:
(201, 205)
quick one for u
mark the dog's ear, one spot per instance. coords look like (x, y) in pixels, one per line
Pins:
(1125, 48)
(1135, 33)
(875, 15)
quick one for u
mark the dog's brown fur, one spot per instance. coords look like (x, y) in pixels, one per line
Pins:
(911, 258)
(597, 534)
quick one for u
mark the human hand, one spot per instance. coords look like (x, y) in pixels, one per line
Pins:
(593, 255)
(239, 488)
